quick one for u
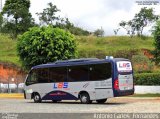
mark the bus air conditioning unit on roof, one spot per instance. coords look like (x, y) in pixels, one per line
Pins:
(109, 57)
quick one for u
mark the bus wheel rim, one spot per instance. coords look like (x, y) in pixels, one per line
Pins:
(84, 99)
(36, 97)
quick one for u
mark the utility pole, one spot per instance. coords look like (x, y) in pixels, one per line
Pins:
(17, 84)
(8, 85)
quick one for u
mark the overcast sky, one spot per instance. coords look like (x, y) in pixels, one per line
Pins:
(93, 14)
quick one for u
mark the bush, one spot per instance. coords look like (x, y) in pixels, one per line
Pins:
(45, 44)
(125, 53)
(102, 53)
(147, 79)
(92, 53)
(156, 34)
(142, 64)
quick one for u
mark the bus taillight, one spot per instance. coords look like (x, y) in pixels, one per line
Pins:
(116, 84)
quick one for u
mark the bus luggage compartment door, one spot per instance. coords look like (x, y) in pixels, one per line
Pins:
(125, 81)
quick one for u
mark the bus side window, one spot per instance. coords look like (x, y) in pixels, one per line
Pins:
(58, 74)
(78, 73)
(100, 71)
(93, 73)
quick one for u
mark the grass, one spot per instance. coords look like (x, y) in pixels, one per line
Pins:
(88, 46)
(8, 50)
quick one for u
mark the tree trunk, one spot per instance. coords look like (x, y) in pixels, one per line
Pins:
(16, 30)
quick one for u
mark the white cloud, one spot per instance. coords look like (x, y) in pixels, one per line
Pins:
(92, 14)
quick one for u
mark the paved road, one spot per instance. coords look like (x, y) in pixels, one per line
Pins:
(118, 105)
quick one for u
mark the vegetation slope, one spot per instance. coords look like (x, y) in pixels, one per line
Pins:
(88, 46)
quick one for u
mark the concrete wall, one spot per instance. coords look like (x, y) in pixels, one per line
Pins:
(147, 89)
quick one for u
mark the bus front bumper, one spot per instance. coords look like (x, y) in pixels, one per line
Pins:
(27, 95)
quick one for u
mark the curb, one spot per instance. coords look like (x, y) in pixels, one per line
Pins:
(14, 96)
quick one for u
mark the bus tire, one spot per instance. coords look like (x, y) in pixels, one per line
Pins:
(84, 98)
(101, 101)
(37, 98)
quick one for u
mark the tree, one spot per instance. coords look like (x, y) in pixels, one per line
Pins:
(48, 16)
(156, 34)
(45, 44)
(143, 18)
(69, 26)
(142, 64)
(1, 21)
(128, 26)
(116, 31)
(99, 32)
(64, 23)
(19, 19)
(140, 20)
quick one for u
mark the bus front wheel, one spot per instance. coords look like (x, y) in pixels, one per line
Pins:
(37, 98)
(85, 99)
(101, 101)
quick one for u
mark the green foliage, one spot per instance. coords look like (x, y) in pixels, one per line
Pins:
(143, 18)
(142, 64)
(45, 44)
(18, 17)
(156, 34)
(147, 79)
(116, 31)
(128, 26)
(67, 25)
(48, 16)
(140, 20)
(118, 46)
(78, 31)
(87, 46)
(99, 32)
(126, 53)
(8, 52)
(1, 21)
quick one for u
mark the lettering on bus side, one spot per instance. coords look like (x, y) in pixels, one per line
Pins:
(60, 85)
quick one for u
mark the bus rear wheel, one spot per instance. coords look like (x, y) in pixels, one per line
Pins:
(37, 98)
(85, 99)
(101, 101)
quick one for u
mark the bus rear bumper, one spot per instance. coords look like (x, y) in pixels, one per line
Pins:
(123, 93)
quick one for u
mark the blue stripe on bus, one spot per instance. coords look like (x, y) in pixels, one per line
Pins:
(59, 95)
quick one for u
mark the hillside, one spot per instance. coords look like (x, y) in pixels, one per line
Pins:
(113, 45)
(8, 50)
(88, 46)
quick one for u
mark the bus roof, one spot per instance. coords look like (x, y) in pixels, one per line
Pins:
(80, 61)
